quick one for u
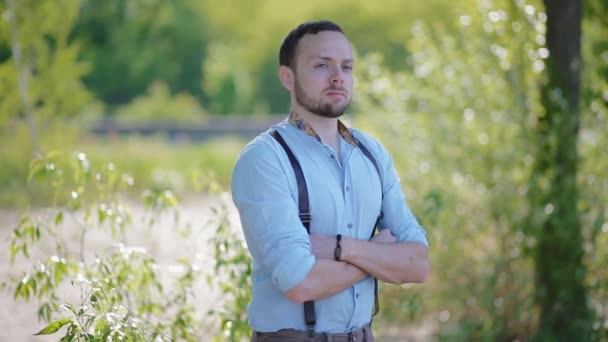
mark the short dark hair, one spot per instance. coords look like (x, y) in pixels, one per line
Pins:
(287, 53)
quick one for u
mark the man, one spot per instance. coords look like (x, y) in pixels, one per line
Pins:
(333, 267)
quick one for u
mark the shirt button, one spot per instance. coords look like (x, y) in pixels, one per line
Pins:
(357, 295)
(347, 188)
(350, 226)
(333, 157)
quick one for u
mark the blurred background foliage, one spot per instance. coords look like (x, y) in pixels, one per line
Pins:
(453, 89)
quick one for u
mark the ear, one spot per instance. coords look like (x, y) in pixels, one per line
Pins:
(287, 77)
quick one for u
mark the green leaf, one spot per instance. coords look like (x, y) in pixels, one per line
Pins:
(102, 215)
(24, 220)
(54, 154)
(22, 291)
(35, 170)
(102, 325)
(59, 218)
(14, 249)
(60, 270)
(67, 338)
(54, 327)
(90, 338)
(45, 311)
(31, 231)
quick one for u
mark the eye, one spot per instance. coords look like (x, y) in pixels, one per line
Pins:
(347, 67)
(321, 65)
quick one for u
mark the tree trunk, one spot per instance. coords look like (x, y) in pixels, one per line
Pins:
(559, 268)
(24, 73)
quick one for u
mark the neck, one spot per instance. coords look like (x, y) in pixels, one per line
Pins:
(326, 128)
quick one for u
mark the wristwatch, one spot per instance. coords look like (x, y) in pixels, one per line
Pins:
(338, 250)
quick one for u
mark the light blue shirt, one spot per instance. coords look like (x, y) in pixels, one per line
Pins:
(345, 198)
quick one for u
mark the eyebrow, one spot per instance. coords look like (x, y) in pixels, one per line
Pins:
(331, 59)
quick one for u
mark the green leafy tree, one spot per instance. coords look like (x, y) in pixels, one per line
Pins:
(371, 26)
(467, 109)
(215, 52)
(131, 44)
(41, 76)
(593, 166)
(159, 105)
(466, 93)
(227, 80)
(560, 271)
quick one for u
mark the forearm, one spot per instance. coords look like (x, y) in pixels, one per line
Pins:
(326, 278)
(396, 263)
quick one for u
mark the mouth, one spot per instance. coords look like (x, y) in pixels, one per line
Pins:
(335, 93)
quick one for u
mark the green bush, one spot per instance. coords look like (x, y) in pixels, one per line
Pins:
(125, 294)
(15, 155)
(158, 105)
(459, 120)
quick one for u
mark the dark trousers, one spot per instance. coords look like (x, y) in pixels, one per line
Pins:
(363, 334)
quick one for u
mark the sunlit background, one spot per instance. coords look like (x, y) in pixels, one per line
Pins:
(108, 105)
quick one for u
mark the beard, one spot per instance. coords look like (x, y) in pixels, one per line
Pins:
(326, 110)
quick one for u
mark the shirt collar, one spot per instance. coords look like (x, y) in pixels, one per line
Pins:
(298, 122)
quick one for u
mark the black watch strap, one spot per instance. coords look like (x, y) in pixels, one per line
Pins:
(338, 250)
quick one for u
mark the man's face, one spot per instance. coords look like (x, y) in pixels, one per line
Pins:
(323, 73)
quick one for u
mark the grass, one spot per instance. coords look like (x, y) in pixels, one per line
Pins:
(153, 162)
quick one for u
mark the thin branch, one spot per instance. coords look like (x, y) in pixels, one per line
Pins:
(24, 73)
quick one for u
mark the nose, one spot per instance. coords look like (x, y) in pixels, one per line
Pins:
(337, 76)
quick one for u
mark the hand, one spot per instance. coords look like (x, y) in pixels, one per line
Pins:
(384, 236)
(323, 246)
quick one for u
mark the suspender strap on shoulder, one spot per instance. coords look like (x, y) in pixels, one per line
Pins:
(310, 316)
(373, 160)
(303, 204)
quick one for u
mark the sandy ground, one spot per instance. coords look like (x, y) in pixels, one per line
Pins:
(18, 319)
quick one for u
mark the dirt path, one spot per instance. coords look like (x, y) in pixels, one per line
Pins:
(18, 319)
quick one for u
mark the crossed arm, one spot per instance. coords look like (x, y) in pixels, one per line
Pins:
(382, 257)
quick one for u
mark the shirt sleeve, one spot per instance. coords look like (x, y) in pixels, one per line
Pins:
(268, 211)
(398, 217)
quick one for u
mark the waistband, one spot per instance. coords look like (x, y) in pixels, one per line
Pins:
(363, 334)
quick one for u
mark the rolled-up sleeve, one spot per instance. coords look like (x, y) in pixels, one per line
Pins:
(268, 211)
(398, 216)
